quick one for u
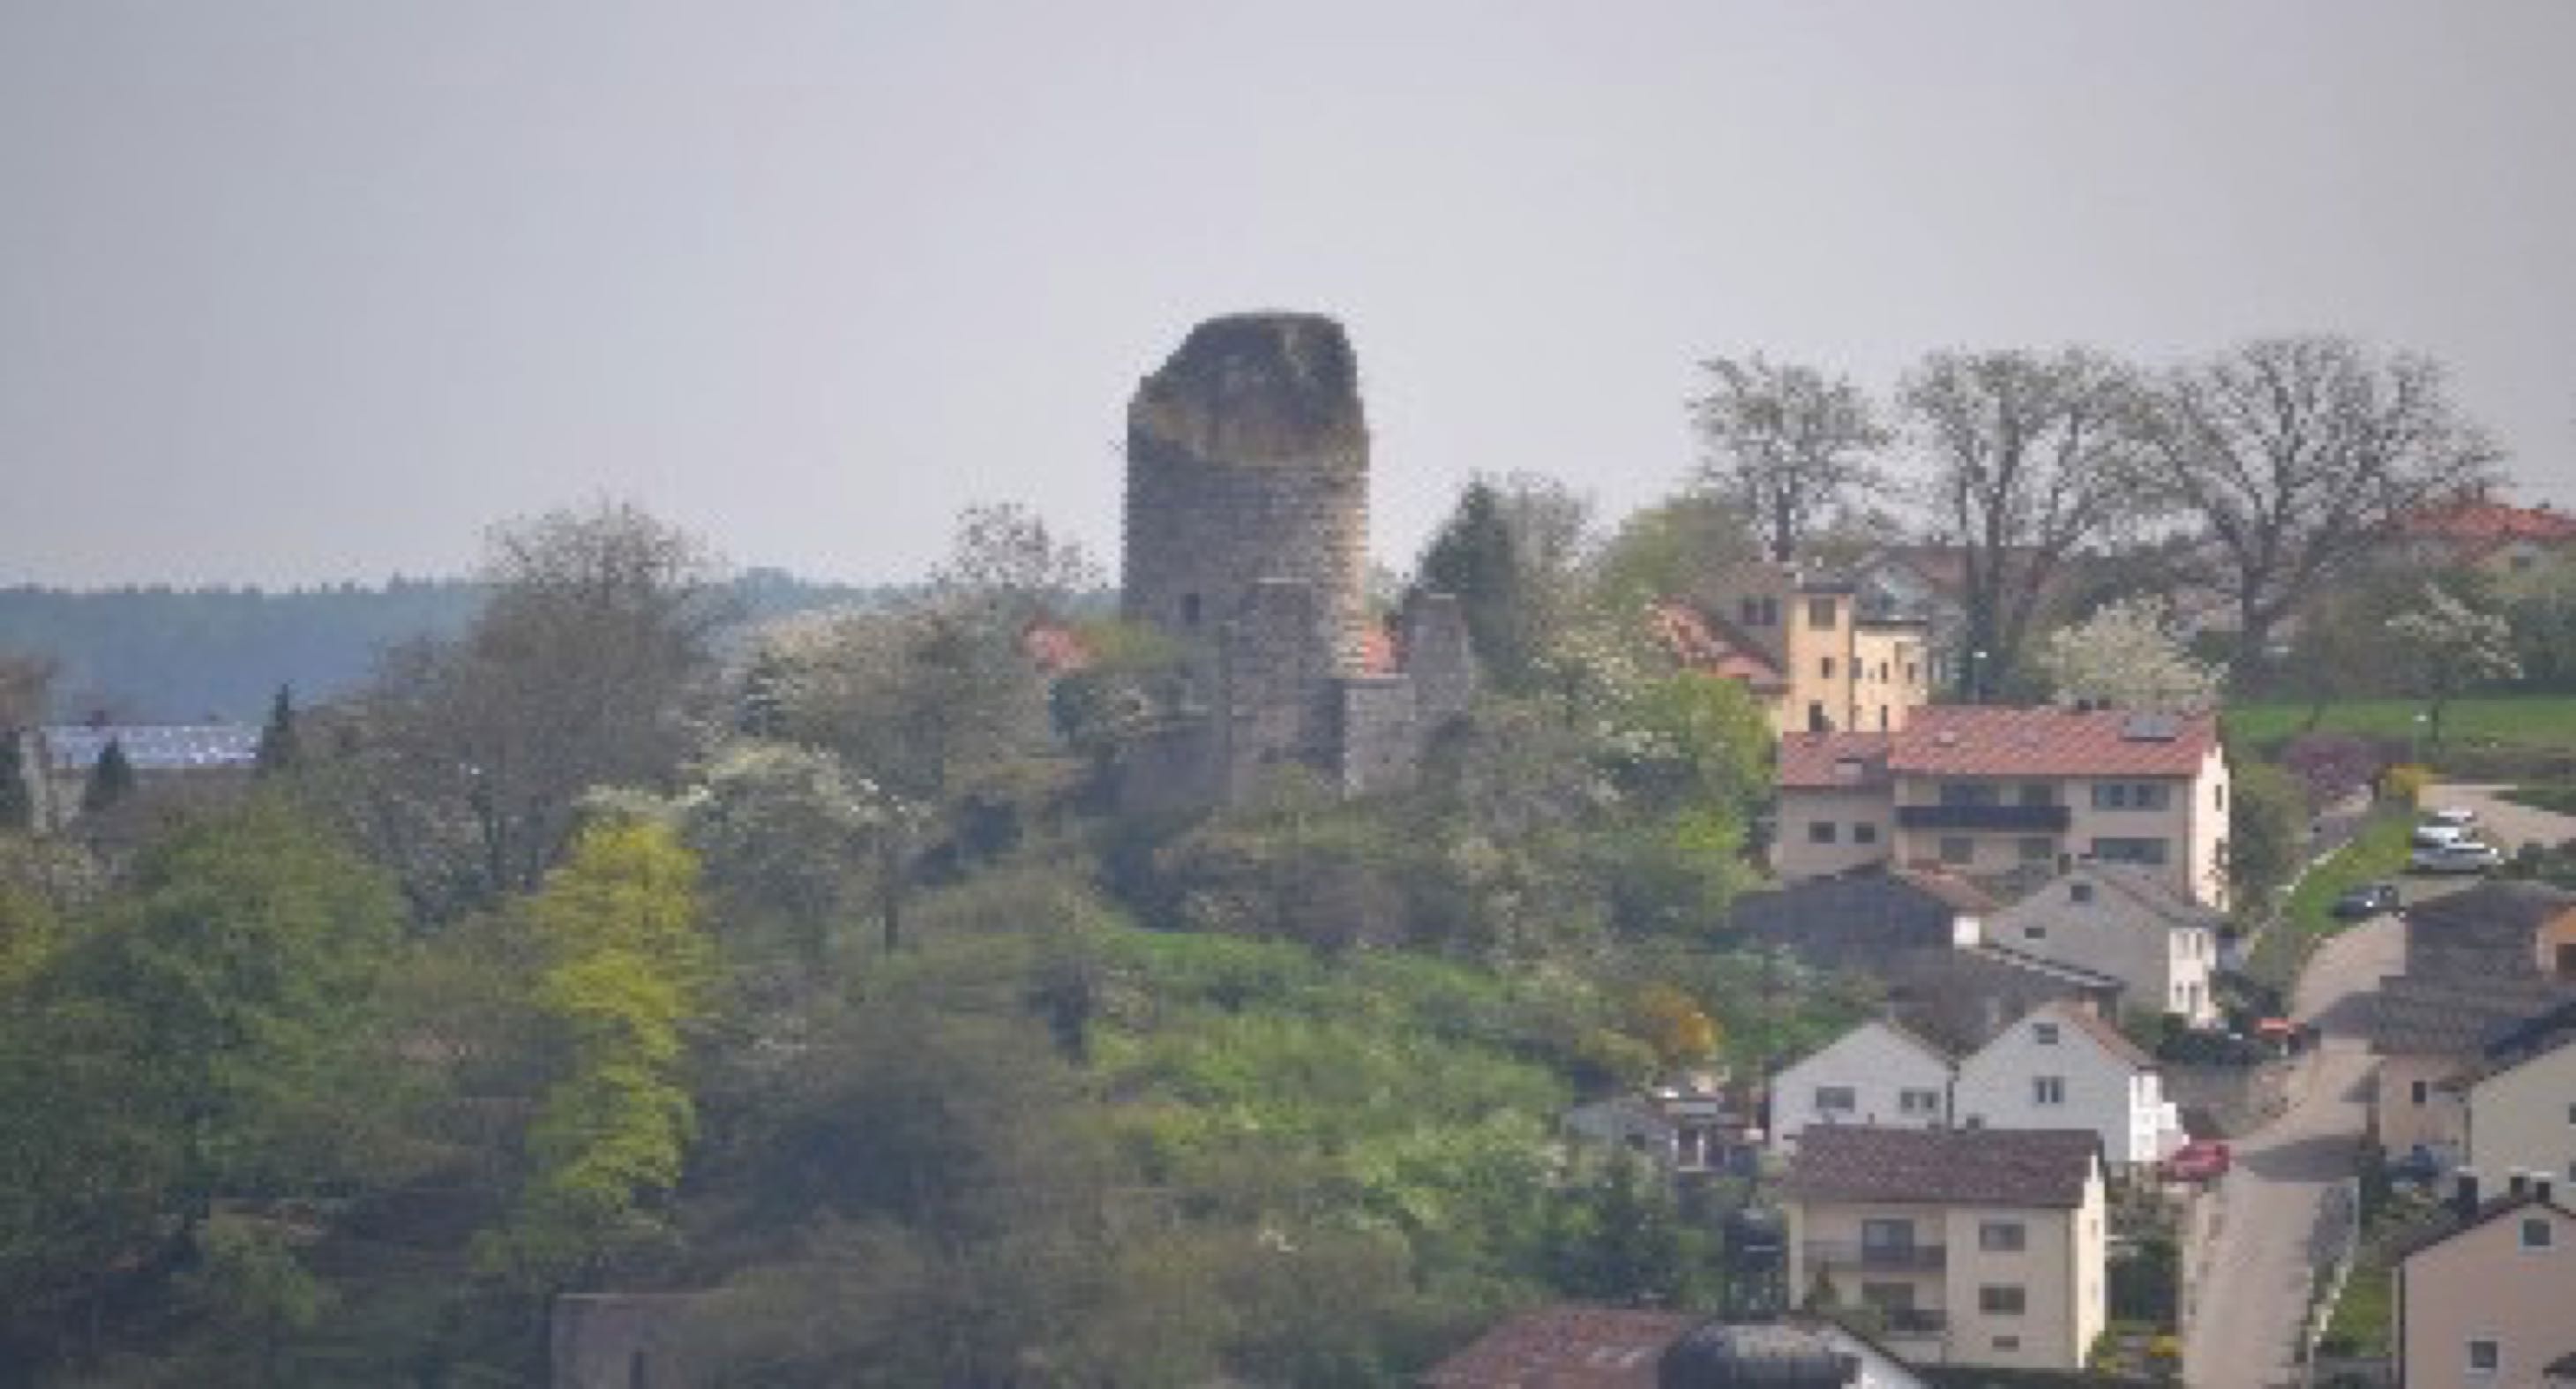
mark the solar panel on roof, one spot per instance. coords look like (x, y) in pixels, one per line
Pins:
(2151, 728)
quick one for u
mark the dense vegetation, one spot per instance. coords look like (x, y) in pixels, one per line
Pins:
(596, 946)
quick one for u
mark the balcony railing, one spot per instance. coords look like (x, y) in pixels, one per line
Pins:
(2034, 819)
(1882, 1258)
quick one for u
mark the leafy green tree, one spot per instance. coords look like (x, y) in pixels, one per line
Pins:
(626, 973)
(2267, 819)
(280, 749)
(111, 780)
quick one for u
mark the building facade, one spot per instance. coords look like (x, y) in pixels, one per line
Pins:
(2063, 1067)
(2487, 1298)
(1802, 642)
(2129, 922)
(2012, 796)
(1877, 1073)
(1967, 1246)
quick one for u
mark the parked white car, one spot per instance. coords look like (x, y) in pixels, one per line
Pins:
(2459, 856)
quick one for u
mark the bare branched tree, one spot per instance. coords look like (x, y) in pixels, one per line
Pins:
(2032, 456)
(2298, 456)
(1790, 445)
(593, 664)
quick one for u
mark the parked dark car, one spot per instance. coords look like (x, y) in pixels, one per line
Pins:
(2369, 899)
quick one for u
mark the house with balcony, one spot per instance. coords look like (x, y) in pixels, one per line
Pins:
(2478, 966)
(1877, 1073)
(2065, 1067)
(2485, 1295)
(1962, 1246)
(2006, 797)
(2130, 922)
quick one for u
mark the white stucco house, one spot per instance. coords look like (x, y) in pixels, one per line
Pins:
(2130, 922)
(2063, 1067)
(1877, 1073)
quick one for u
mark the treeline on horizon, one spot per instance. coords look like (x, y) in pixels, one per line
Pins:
(155, 653)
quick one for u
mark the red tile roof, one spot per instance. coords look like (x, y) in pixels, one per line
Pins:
(1987, 740)
(1566, 1347)
(1812, 761)
(1701, 643)
(2481, 520)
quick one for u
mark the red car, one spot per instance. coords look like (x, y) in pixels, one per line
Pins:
(2201, 1160)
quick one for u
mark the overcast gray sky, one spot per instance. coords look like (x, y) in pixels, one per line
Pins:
(301, 291)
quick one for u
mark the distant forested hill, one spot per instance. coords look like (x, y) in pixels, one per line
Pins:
(160, 653)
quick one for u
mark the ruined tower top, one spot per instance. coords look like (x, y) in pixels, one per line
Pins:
(1255, 388)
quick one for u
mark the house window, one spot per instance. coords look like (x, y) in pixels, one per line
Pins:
(2044, 1033)
(1863, 832)
(2038, 793)
(2571, 1116)
(2417, 1091)
(2079, 892)
(1189, 610)
(1886, 1237)
(2002, 1300)
(2131, 795)
(2220, 795)
(1918, 1102)
(2150, 852)
(2002, 1237)
(1816, 720)
(2034, 933)
(1958, 849)
(1826, 667)
(1968, 793)
(1820, 831)
(2537, 1232)
(2007, 1343)
(2036, 849)
(1820, 614)
(2485, 1357)
(1835, 1099)
(2567, 961)
(1888, 1297)
(2048, 1090)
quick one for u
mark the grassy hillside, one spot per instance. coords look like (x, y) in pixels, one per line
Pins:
(2542, 722)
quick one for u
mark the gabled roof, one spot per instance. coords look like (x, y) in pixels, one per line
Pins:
(1932, 1050)
(2141, 892)
(2516, 1045)
(1837, 761)
(2449, 1225)
(2425, 1015)
(2499, 914)
(2085, 1022)
(1710, 645)
(2043, 1168)
(1567, 1346)
(1989, 740)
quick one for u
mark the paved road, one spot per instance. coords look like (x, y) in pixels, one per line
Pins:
(2258, 1270)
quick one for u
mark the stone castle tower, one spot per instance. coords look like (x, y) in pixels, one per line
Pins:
(1247, 545)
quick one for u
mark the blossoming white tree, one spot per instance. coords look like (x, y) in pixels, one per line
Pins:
(2123, 657)
(2452, 649)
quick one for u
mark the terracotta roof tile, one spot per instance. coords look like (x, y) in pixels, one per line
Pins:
(1810, 761)
(1987, 740)
(1566, 1347)
(1970, 1167)
(2481, 520)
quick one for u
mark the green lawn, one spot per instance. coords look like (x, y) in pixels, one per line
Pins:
(2379, 851)
(2535, 721)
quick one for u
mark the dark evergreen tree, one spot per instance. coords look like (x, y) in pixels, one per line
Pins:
(278, 749)
(111, 781)
(17, 801)
(1475, 558)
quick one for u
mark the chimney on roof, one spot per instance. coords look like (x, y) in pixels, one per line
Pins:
(2464, 1193)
